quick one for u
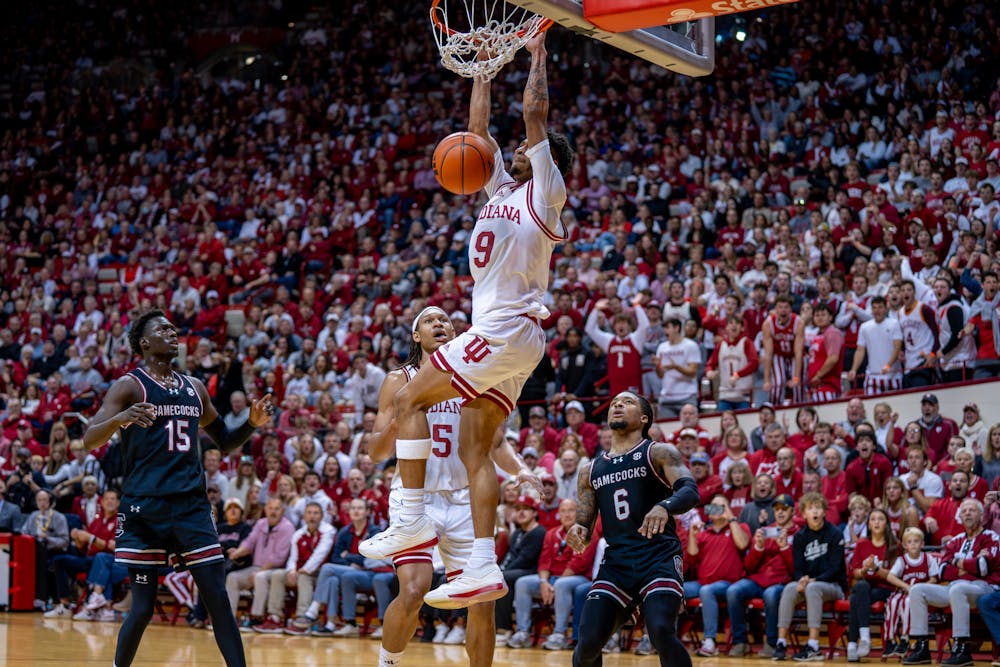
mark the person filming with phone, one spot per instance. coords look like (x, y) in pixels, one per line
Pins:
(769, 566)
(718, 548)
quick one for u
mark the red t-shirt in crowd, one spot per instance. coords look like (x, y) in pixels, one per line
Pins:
(718, 557)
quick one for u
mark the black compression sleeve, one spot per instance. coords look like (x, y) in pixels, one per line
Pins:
(685, 497)
(227, 440)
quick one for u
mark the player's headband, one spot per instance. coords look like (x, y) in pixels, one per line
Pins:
(423, 313)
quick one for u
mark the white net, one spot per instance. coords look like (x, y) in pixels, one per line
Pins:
(476, 38)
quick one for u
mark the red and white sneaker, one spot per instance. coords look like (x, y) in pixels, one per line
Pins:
(470, 587)
(400, 537)
(272, 626)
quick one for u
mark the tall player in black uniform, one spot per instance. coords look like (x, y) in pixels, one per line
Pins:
(643, 563)
(164, 509)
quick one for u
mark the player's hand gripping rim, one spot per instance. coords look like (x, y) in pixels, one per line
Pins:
(655, 522)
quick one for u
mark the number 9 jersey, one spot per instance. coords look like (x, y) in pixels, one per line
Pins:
(511, 246)
(164, 459)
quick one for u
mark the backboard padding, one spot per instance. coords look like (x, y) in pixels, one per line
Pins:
(693, 56)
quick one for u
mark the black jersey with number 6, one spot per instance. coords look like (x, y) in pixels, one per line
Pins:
(627, 486)
(163, 459)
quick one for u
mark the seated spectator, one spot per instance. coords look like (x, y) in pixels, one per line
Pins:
(709, 485)
(576, 424)
(867, 473)
(51, 534)
(560, 571)
(965, 461)
(819, 575)
(760, 512)
(914, 566)
(72, 473)
(925, 486)
(738, 485)
(311, 545)
(232, 531)
(896, 504)
(10, 514)
(212, 460)
(970, 569)
(834, 486)
(268, 544)
(736, 444)
(548, 504)
(943, 520)
(769, 567)
(937, 428)
(787, 479)
(718, 548)
(239, 486)
(312, 492)
(347, 574)
(103, 576)
(856, 528)
(869, 565)
(97, 538)
(522, 557)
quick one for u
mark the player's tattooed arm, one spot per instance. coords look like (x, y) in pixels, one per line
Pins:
(578, 536)
(536, 93)
(675, 472)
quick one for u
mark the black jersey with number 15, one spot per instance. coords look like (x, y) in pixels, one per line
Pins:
(627, 486)
(163, 459)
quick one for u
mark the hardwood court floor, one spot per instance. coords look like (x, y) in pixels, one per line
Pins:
(27, 640)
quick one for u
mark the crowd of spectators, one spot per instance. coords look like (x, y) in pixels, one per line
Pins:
(838, 170)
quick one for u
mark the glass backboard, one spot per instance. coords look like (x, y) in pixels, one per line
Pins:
(687, 48)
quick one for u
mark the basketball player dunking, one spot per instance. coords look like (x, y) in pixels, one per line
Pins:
(784, 344)
(446, 497)
(164, 509)
(643, 561)
(487, 366)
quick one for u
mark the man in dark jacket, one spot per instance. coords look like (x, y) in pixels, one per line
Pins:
(760, 512)
(521, 559)
(820, 576)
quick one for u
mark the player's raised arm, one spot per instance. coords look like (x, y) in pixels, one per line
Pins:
(685, 497)
(228, 441)
(578, 536)
(382, 442)
(479, 111)
(121, 407)
(536, 93)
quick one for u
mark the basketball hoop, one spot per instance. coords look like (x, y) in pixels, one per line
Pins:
(490, 27)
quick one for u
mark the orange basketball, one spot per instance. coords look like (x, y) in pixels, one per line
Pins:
(463, 162)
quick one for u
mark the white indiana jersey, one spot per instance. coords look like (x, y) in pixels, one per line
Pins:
(918, 339)
(445, 470)
(511, 245)
(733, 358)
(965, 352)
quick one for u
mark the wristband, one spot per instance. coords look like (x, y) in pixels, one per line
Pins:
(796, 378)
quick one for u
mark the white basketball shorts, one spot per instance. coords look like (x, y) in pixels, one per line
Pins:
(493, 361)
(451, 515)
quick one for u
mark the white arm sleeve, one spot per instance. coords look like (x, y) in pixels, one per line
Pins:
(498, 177)
(548, 187)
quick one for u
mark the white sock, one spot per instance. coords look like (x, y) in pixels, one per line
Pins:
(866, 634)
(330, 625)
(813, 644)
(387, 658)
(710, 643)
(483, 553)
(313, 610)
(413, 504)
(781, 642)
(852, 646)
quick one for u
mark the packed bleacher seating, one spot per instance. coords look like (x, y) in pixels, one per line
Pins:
(817, 219)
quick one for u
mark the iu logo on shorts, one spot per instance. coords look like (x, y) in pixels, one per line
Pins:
(476, 351)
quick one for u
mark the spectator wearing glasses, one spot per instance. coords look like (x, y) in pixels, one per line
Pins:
(718, 547)
(560, 571)
(769, 567)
